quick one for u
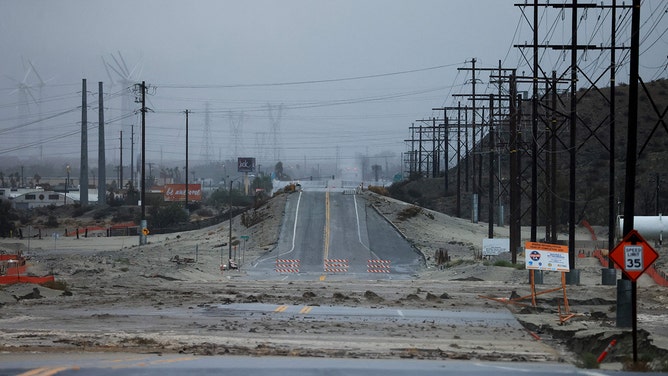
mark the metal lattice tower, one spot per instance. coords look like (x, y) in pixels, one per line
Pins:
(275, 123)
(207, 152)
(236, 130)
(260, 146)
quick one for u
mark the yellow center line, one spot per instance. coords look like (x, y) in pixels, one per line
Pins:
(306, 309)
(44, 371)
(281, 308)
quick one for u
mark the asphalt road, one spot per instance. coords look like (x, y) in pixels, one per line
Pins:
(333, 232)
(99, 364)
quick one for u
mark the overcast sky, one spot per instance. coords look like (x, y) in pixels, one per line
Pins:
(341, 78)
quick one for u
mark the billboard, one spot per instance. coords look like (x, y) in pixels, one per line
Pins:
(495, 246)
(177, 192)
(245, 164)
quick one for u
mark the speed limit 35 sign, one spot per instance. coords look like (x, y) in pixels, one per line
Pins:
(633, 255)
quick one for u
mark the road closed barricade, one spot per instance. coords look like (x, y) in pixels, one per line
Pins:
(378, 266)
(336, 265)
(287, 265)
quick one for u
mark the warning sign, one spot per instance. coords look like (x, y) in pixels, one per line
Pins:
(633, 255)
(544, 256)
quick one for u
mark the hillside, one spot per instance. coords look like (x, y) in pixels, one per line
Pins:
(592, 161)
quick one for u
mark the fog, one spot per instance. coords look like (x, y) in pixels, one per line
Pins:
(308, 83)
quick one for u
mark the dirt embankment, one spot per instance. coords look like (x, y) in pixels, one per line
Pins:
(124, 297)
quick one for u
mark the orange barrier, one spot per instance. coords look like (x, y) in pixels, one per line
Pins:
(15, 268)
(83, 230)
(10, 279)
(4, 257)
(586, 224)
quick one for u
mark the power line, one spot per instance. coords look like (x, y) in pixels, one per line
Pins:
(307, 82)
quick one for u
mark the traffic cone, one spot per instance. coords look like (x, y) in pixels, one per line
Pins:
(607, 350)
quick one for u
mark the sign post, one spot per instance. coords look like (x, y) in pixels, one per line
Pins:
(243, 252)
(634, 255)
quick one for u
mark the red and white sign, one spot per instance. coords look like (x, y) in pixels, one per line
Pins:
(177, 192)
(545, 256)
(633, 255)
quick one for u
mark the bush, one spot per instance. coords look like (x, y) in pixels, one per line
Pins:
(165, 216)
(588, 361)
(52, 221)
(204, 212)
(409, 212)
(508, 264)
(7, 215)
(379, 190)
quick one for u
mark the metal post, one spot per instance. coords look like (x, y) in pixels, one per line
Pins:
(230, 241)
(67, 182)
(101, 168)
(83, 173)
(186, 160)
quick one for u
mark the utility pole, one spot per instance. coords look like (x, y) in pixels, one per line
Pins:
(102, 174)
(573, 276)
(459, 159)
(490, 233)
(143, 225)
(629, 186)
(514, 141)
(609, 275)
(132, 155)
(143, 155)
(120, 168)
(187, 160)
(83, 173)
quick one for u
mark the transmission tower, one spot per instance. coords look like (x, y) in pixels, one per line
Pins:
(206, 151)
(275, 123)
(260, 146)
(236, 127)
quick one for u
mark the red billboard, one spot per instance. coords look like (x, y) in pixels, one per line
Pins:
(177, 192)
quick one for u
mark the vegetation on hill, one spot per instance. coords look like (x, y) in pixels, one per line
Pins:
(592, 162)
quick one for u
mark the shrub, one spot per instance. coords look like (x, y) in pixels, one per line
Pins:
(56, 285)
(168, 215)
(409, 212)
(588, 361)
(379, 190)
(52, 221)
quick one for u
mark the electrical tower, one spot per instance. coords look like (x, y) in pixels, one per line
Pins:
(207, 151)
(236, 130)
(275, 124)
